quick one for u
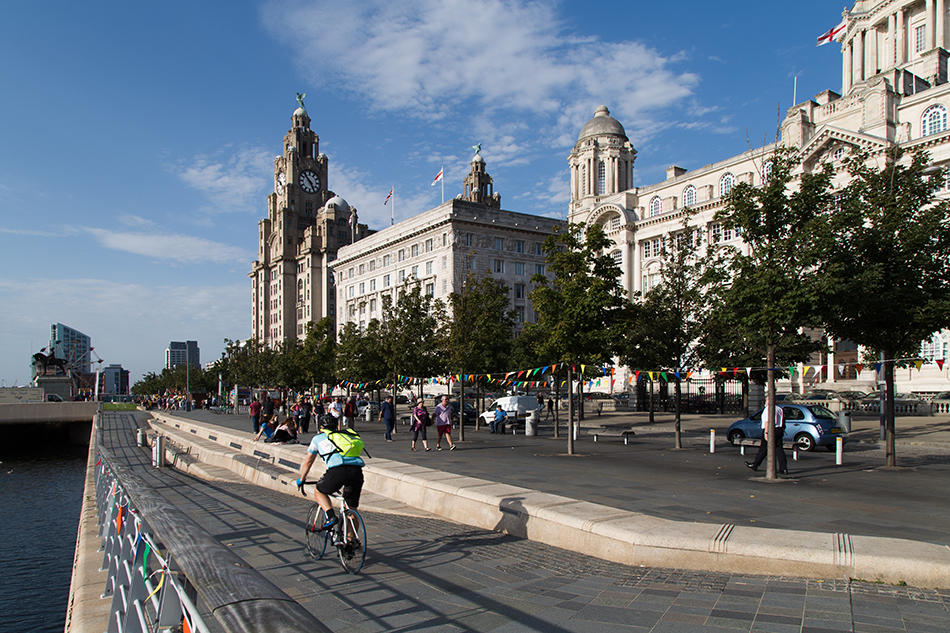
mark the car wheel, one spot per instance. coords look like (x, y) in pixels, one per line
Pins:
(805, 442)
(736, 436)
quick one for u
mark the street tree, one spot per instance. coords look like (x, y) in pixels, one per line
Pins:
(319, 348)
(885, 268)
(672, 314)
(581, 309)
(770, 297)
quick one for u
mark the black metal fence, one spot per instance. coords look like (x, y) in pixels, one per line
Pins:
(697, 395)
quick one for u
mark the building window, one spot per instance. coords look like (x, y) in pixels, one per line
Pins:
(352, 290)
(402, 276)
(362, 288)
(429, 245)
(601, 178)
(445, 286)
(646, 249)
(362, 309)
(539, 269)
(468, 239)
(372, 265)
(519, 246)
(689, 196)
(519, 268)
(430, 290)
(499, 265)
(349, 273)
(656, 206)
(372, 285)
(499, 244)
(933, 121)
(615, 223)
(583, 180)
(726, 183)
(385, 281)
(428, 268)
(519, 314)
(726, 233)
(470, 263)
(539, 250)
(519, 291)
(767, 167)
(716, 233)
(445, 263)
(617, 257)
(362, 268)
(920, 38)
(385, 260)
(415, 272)
(402, 254)
(415, 250)
(657, 247)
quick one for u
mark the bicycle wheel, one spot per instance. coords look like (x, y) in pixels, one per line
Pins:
(353, 552)
(316, 538)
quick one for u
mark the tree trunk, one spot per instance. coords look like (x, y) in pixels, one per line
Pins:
(770, 407)
(676, 420)
(557, 404)
(461, 411)
(890, 446)
(651, 399)
(570, 411)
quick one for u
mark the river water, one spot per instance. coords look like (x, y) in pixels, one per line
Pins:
(40, 502)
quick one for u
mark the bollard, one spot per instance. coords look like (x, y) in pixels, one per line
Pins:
(795, 453)
(839, 451)
(140, 437)
(158, 451)
(712, 440)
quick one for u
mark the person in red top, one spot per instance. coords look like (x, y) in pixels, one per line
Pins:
(255, 413)
(349, 413)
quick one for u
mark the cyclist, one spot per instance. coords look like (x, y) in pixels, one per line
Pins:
(340, 449)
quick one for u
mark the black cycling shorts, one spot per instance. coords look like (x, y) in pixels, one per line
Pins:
(347, 477)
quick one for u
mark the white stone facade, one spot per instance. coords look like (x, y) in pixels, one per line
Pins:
(895, 92)
(439, 248)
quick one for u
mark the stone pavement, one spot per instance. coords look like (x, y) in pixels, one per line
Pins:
(430, 574)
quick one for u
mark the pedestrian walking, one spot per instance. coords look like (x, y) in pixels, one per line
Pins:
(420, 420)
(550, 408)
(387, 413)
(443, 423)
(349, 413)
(764, 446)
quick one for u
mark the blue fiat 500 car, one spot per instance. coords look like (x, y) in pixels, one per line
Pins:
(808, 425)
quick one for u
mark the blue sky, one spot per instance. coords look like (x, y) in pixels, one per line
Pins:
(137, 139)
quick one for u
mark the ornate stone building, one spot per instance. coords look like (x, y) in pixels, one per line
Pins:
(440, 247)
(306, 223)
(895, 91)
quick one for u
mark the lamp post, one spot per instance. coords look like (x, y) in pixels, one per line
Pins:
(187, 377)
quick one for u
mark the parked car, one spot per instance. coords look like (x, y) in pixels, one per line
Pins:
(470, 412)
(373, 407)
(597, 395)
(808, 425)
(511, 405)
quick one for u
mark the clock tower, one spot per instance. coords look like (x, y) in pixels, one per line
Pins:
(291, 284)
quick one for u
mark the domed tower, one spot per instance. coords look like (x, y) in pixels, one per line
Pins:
(601, 162)
(478, 184)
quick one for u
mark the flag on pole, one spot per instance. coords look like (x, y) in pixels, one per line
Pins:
(389, 196)
(438, 177)
(830, 35)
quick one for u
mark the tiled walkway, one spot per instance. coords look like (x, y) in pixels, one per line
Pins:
(427, 574)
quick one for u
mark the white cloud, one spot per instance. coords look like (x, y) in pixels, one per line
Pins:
(184, 249)
(130, 219)
(428, 57)
(350, 183)
(128, 323)
(232, 179)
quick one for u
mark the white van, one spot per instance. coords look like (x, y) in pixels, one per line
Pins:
(512, 405)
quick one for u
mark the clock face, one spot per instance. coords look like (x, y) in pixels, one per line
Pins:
(309, 181)
(281, 181)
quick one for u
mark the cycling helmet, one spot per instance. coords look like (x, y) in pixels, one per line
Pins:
(328, 422)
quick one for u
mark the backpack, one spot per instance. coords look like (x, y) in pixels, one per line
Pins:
(347, 442)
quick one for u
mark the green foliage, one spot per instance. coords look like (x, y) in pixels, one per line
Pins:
(480, 332)
(582, 310)
(770, 295)
(885, 271)
(411, 333)
(359, 353)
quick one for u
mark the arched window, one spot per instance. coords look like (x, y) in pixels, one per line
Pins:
(656, 206)
(601, 178)
(583, 180)
(726, 183)
(933, 120)
(689, 196)
(766, 170)
(617, 257)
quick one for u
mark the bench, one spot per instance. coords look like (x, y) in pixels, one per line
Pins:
(748, 441)
(626, 434)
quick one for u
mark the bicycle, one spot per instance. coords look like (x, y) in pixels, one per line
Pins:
(351, 547)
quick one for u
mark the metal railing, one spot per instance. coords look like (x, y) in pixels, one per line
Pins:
(164, 570)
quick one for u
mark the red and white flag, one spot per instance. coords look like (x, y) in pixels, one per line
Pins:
(829, 36)
(389, 196)
(438, 177)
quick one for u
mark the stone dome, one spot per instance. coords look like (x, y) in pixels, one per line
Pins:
(602, 123)
(478, 159)
(300, 112)
(339, 204)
